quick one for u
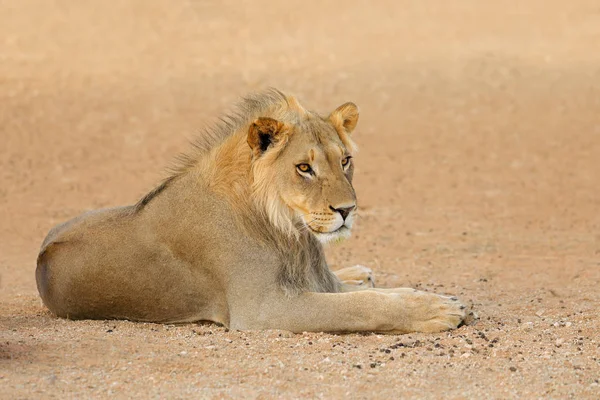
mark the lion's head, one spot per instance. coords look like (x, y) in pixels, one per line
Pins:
(302, 170)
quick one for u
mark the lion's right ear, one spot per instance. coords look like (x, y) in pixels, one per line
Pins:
(263, 133)
(345, 116)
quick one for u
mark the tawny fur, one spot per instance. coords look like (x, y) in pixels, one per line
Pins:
(234, 236)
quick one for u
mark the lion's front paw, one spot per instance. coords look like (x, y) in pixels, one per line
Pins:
(358, 275)
(439, 313)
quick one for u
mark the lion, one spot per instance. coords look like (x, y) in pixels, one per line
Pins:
(235, 236)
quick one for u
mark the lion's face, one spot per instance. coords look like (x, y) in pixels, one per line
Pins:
(305, 169)
(316, 180)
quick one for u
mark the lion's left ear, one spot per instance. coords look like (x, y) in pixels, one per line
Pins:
(345, 116)
(263, 133)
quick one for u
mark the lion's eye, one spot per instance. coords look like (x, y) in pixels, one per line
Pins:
(346, 161)
(305, 168)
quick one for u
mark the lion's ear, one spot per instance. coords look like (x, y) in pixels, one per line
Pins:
(263, 133)
(345, 116)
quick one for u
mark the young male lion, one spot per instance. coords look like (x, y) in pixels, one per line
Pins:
(234, 236)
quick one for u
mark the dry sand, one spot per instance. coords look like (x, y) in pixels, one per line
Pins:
(478, 176)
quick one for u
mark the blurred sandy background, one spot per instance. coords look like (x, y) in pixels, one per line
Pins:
(478, 175)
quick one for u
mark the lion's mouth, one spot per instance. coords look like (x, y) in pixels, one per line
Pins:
(341, 233)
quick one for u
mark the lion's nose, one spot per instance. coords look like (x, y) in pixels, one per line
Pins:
(344, 211)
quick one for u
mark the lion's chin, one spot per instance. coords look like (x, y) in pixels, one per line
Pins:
(339, 235)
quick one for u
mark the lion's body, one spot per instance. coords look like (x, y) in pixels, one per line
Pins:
(222, 239)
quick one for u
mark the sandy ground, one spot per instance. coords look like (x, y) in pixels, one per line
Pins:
(478, 176)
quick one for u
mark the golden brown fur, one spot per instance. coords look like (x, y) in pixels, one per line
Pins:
(234, 236)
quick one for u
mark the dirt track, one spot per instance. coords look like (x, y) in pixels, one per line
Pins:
(478, 176)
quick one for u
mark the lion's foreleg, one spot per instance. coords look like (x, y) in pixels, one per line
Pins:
(365, 310)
